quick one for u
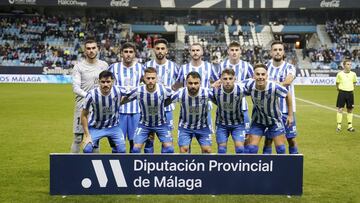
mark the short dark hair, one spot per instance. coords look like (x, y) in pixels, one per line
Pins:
(90, 41)
(260, 65)
(106, 74)
(150, 70)
(193, 74)
(161, 41)
(228, 71)
(234, 44)
(277, 42)
(128, 45)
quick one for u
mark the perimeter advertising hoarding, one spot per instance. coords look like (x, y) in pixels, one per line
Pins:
(195, 4)
(175, 174)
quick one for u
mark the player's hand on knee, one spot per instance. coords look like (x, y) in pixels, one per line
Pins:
(87, 139)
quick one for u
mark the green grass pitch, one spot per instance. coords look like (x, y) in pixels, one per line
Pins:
(37, 120)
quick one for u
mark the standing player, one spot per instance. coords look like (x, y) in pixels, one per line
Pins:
(167, 72)
(284, 73)
(194, 108)
(104, 119)
(128, 74)
(151, 98)
(85, 77)
(243, 70)
(229, 120)
(345, 84)
(205, 69)
(266, 117)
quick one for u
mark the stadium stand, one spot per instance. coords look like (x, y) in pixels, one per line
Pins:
(39, 40)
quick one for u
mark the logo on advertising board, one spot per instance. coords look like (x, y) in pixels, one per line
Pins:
(120, 3)
(330, 4)
(72, 3)
(102, 177)
(23, 2)
(26, 78)
(56, 71)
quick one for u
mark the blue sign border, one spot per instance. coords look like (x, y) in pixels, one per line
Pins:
(80, 174)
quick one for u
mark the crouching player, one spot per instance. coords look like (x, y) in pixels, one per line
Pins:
(266, 115)
(151, 98)
(229, 117)
(193, 120)
(104, 119)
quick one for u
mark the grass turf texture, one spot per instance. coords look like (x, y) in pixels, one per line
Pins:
(37, 120)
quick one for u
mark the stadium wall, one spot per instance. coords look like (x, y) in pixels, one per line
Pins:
(59, 75)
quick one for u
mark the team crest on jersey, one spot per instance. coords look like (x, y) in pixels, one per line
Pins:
(228, 106)
(107, 110)
(153, 110)
(194, 109)
(128, 82)
(236, 98)
(258, 102)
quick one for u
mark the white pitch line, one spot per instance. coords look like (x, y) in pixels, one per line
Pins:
(322, 106)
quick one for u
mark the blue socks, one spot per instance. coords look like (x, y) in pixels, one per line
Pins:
(293, 150)
(119, 149)
(267, 150)
(136, 150)
(239, 150)
(88, 148)
(149, 146)
(252, 149)
(222, 149)
(280, 149)
(169, 149)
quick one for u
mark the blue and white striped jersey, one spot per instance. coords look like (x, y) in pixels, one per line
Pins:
(167, 74)
(128, 78)
(243, 70)
(151, 104)
(266, 109)
(228, 104)
(193, 110)
(279, 74)
(105, 109)
(206, 71)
